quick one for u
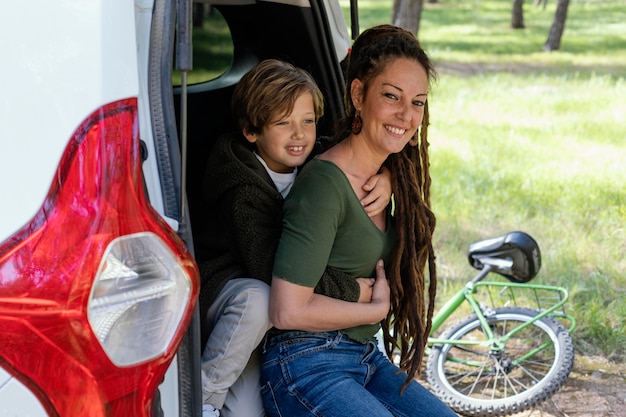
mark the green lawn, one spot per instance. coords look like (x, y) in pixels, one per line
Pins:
(527, 140)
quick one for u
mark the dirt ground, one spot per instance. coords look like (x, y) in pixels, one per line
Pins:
(595, 388)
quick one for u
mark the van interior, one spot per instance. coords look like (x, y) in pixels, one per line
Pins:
(297, 31)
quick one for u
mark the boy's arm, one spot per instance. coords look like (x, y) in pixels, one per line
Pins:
(337, 284)
(257, 240)
(256, 225)
(378, 187)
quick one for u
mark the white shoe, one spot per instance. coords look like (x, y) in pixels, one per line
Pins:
(209, 411)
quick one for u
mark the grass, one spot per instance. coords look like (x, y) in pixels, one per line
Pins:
(479, 31)
(541, 154)
(527, 140)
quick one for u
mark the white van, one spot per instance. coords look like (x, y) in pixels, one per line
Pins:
(100, 155)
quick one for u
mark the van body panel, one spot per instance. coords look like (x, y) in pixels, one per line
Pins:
(16, 399)
(88, 59)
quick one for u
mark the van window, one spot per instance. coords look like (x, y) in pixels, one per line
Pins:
(212, 45)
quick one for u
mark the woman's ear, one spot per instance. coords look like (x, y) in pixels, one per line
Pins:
(356, 93)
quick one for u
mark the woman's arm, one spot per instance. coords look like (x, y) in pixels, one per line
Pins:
(296, 307)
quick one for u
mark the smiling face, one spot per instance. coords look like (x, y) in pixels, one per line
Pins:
(392, 104)
(287, 140)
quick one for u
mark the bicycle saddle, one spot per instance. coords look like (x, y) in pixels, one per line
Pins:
(517, 247)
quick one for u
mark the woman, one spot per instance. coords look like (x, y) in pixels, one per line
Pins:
(322, 358)
(249, 173)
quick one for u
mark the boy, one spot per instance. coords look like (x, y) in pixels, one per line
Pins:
(276, 106)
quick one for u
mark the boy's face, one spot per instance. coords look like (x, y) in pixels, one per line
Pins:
(285, 143)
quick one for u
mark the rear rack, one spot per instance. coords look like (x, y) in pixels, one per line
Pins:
(547, 299)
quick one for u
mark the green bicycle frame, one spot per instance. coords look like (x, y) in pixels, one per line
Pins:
(466, 294)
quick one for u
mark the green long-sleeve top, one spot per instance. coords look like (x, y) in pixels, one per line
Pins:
(325, 225)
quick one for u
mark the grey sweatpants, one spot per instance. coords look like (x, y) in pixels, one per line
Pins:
(238, 320)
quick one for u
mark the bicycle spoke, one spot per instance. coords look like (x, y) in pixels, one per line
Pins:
(495, 376)
(514, 363)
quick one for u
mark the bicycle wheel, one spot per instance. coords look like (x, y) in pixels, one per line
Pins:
(476, 380)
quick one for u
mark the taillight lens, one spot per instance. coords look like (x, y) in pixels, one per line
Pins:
(96, 291)
(138, 299)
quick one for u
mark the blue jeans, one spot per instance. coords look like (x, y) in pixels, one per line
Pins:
(329, 375)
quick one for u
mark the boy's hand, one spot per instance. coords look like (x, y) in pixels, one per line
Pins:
(378, 189)
(366, 285)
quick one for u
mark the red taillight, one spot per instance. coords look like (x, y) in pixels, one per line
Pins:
(47, 271)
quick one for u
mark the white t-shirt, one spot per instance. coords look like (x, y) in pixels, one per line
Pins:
(282, 181)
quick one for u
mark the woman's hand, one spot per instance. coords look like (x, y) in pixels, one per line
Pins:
(378, 189)
(381, 293)
(295, 307)
(367, 284)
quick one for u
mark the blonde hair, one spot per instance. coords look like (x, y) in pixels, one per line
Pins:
(270, 90)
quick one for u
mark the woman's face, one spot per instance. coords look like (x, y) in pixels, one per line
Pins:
(393, 106)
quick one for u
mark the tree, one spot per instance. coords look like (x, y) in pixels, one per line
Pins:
(407, 14)
(517, 17)
(556, 31)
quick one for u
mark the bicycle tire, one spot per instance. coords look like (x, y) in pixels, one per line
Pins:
(494, 385)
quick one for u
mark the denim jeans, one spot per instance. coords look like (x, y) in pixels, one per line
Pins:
(329, 375)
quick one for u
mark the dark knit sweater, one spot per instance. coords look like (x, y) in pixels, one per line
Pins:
(242, 224)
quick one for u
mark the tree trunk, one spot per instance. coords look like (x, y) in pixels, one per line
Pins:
(556, 31)
(407, 14)
(517, 17)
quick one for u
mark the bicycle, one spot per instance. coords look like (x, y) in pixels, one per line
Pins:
(514, 350)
